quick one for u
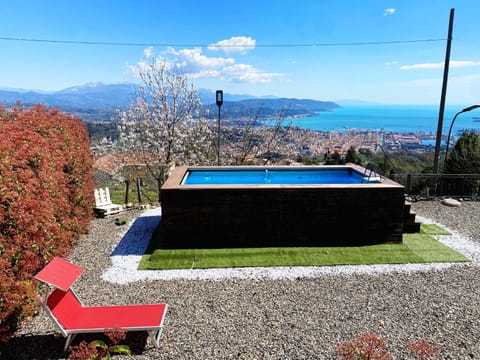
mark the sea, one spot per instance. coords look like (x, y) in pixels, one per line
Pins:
(391, 118)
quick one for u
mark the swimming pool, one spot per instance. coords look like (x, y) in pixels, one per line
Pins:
(285, 176)
(201, 211)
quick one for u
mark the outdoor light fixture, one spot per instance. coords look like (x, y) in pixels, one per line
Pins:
(219, 99)
(467, 109)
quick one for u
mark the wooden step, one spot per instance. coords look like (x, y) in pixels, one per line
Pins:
(410, 225)
(409, 218)
(407, 208)
(411, 228)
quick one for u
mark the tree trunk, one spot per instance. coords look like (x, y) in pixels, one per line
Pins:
(138, 191)
(127, 189)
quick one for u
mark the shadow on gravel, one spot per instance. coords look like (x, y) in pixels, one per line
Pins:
(136, 240)
(29, 347)
(41, 347)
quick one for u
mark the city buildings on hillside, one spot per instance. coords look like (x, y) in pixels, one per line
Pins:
(306, 143)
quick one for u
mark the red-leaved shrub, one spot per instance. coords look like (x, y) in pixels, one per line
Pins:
(422, 349)
(46, 200)
(367, 346)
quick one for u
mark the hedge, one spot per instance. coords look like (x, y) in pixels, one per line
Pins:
(46, 200)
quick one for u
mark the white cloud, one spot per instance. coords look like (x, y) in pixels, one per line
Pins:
(192, 60)
(389, 11)
(390, 63)
(205, 74)
(200, 66)
(423, 66)
(133, 70)
(236, 44)
(148, 52)
(461, 64)
(430, 66)
(247, 73)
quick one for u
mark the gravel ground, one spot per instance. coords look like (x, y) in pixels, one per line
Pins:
(292, 318)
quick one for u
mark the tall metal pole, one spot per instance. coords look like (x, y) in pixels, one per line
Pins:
(441, 112)
(218, 138)
(219, 101)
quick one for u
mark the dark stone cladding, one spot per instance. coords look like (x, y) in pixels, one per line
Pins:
(226, 216)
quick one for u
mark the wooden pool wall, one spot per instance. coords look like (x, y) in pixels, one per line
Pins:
(211, 216)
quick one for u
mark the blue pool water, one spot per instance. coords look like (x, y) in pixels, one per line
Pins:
(273, 176)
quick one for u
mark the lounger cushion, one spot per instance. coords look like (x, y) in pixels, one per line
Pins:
(74, 317)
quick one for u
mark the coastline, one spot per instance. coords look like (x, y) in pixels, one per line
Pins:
(387, 118)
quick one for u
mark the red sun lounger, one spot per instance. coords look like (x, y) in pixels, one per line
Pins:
(73, 318)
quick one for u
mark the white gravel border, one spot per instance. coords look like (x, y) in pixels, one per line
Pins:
(128, 252)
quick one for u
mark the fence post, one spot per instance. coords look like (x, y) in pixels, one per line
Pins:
(159, 184)
(438, 184)
(127, 189)
(138, 191)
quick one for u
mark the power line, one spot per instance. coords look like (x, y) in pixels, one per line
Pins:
(102, 43)
(391, 42)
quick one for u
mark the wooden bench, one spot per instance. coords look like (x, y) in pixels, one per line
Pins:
(103, 204)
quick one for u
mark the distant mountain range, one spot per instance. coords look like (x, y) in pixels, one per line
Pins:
(93, 95)
(98, 101)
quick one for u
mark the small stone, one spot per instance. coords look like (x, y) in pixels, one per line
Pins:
(451, 202)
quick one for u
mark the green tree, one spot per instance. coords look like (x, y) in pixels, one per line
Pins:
(334, 159)
(465, 156)
(352, 156)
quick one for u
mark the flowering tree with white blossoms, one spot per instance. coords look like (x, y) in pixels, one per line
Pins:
(163, 124)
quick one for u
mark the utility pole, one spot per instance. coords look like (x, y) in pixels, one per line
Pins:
(446, 67)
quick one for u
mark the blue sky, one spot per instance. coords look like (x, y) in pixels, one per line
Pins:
(282, 48)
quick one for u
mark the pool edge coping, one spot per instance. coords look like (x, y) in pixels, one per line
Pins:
(175, 180)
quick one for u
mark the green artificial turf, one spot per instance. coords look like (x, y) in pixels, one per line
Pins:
(432, 229)
(416, 248)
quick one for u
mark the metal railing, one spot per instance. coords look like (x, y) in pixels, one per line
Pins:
(433, 185)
